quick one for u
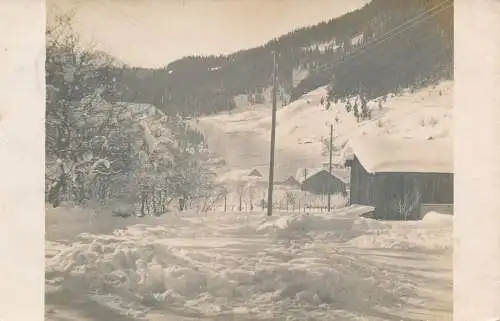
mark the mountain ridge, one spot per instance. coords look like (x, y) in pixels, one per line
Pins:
(202, 85)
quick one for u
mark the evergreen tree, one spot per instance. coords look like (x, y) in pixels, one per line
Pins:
(348, 106)
(356, 111)
(364, 108)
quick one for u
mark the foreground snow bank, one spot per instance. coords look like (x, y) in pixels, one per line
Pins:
(288, 268)
(434, 232)
(261, 282)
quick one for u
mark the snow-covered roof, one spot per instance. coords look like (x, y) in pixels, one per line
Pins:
(342, 174)
(289, 181)
(305, 173)
(255, 172)
(237, 176)
(379, 155)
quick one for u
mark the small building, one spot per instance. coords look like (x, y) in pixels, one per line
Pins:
(400, 177)
(319, 181)
(238, 176)
(255, 173)
(290, 182)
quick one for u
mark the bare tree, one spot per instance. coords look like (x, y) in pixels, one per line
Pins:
(291, 199)
(240, 191)
(212, 197)
(406, 204)
(325, 142)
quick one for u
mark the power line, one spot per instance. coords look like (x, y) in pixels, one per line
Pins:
(286, 164)
(410, 24)
(394, 32)
(398, 32)
(417, 17)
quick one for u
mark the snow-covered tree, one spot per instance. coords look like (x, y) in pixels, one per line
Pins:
(355, 111)
(348, 106)
(84, 144)
(325, 142)
(365, 111)
(97, 148)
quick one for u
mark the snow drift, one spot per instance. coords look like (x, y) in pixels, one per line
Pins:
(288, 267)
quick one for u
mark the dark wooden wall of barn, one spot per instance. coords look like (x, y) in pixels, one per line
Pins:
(381, 189)
(434, 188)
(323, 184)
(361, 185)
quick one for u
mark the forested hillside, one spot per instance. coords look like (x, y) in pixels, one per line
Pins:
(382, 47)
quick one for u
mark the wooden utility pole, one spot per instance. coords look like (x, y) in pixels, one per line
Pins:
(330, 166)
(273, 139)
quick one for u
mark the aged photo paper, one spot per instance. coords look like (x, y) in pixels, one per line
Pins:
(250, 160)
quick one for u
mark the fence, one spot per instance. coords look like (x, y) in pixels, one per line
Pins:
(284, 200)
(293, 201)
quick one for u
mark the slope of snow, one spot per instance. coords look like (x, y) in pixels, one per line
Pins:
(243, 138)
(250, 267)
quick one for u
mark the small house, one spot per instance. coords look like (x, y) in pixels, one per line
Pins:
(320, 181)
(401, 177)
(255, 173)
(290, 182)
(238, 176)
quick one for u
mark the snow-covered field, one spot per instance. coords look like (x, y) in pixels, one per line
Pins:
(245, 266)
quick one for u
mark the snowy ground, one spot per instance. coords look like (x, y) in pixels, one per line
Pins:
(245, 266)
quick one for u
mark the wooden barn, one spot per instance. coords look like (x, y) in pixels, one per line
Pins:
(319, 181)
(401, 178)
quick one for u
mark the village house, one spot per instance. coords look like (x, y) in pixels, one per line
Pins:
(290, 182)
(401, 179)
(255, 173)
(319, 181)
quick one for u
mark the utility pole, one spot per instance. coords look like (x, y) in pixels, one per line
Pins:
(273, 139)
(330, 165)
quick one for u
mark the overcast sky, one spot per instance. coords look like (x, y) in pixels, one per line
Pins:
(152, 33)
